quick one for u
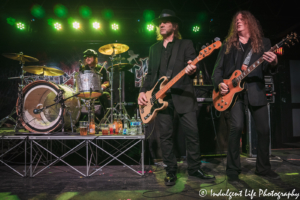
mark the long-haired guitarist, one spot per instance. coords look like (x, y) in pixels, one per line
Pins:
(180, 98)
(243, 46)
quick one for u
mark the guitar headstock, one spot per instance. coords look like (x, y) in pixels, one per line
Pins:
(290, 39)
(209, 49)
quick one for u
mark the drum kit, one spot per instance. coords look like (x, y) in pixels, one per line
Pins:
(43, 107)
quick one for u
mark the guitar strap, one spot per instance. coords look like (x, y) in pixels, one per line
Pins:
(247, 59)
(173, 58)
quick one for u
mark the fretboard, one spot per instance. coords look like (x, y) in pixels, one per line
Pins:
(161, 92)
(249, 69)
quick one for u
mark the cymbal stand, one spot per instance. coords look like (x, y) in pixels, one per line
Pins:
(19, 107)
(109, 114)
(122, 108)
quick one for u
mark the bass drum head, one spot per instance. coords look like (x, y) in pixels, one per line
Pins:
(40, 94)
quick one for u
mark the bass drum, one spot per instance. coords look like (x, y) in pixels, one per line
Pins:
(40, 94)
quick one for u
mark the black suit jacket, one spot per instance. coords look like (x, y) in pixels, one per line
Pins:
(182, 91)
(254, 83)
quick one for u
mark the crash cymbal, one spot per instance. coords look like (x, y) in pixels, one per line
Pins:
(110, 48)
(121, 67)
(20, 57)
(44, 70)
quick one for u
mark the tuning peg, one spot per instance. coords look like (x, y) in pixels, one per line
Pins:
(203, 47)
(217, 39)
(207, 44)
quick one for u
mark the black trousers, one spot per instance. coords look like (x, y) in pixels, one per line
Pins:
(164, 126)
(237, 116)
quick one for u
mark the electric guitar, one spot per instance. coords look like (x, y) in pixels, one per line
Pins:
(235, 84)
(158, 92)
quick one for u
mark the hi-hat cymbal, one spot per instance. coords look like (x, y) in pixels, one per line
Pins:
(43, 70)
(108, 49)
(20, 57)
(121, 67)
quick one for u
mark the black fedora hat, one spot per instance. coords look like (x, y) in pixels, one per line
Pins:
(167, 14)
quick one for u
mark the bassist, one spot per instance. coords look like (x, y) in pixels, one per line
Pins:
(245, 35)
(180, 98)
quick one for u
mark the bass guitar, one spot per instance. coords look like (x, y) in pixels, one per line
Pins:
(235, 82)
(158, 92)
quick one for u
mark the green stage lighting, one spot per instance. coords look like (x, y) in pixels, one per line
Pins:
(196, 29)
(85, 12)
(149, 15)
(60, 10)
(76, 25)
(150, 27)
(115, 27)
(107, 13)
(96, 25)
(20, 26)
(37, 11)
(57, 26)
(11, 21)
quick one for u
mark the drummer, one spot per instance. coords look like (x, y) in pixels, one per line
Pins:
(91, 63)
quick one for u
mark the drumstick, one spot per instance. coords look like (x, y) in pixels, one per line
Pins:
(102, 67)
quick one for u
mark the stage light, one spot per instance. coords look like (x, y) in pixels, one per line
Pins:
(150, 27)
(20, 26)
(76, 25)
(37, 11)
(96, 25)
(107, 13)
(85, 12)
(60, 10)
(196, 29)
(11, 21)
(115, 26)
(57, 26)
(71, 20)
(149, 15)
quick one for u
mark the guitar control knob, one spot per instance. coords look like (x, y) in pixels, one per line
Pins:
(221, 106)
(225, 103)
(218, 104)
(222, 101)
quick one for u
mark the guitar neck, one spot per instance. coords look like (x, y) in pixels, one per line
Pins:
(162, 91)
(256, 63)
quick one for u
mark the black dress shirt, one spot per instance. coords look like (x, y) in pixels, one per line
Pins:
(165, 59)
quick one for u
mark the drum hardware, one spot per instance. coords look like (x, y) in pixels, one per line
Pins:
(22, 59)
(113, 50)
(19, 77)
(39, 118)
(44, 70)
(88, 84)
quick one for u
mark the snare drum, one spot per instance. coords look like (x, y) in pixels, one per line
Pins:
(40, 94)
(88, 84)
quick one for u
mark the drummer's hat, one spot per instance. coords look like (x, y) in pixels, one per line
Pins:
(167, 14)
(90, 52)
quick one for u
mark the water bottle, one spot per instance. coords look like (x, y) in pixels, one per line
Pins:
(139, 126)
(125, 128)
(133, 130)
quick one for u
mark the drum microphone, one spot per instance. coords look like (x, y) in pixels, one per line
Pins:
(37, 111)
